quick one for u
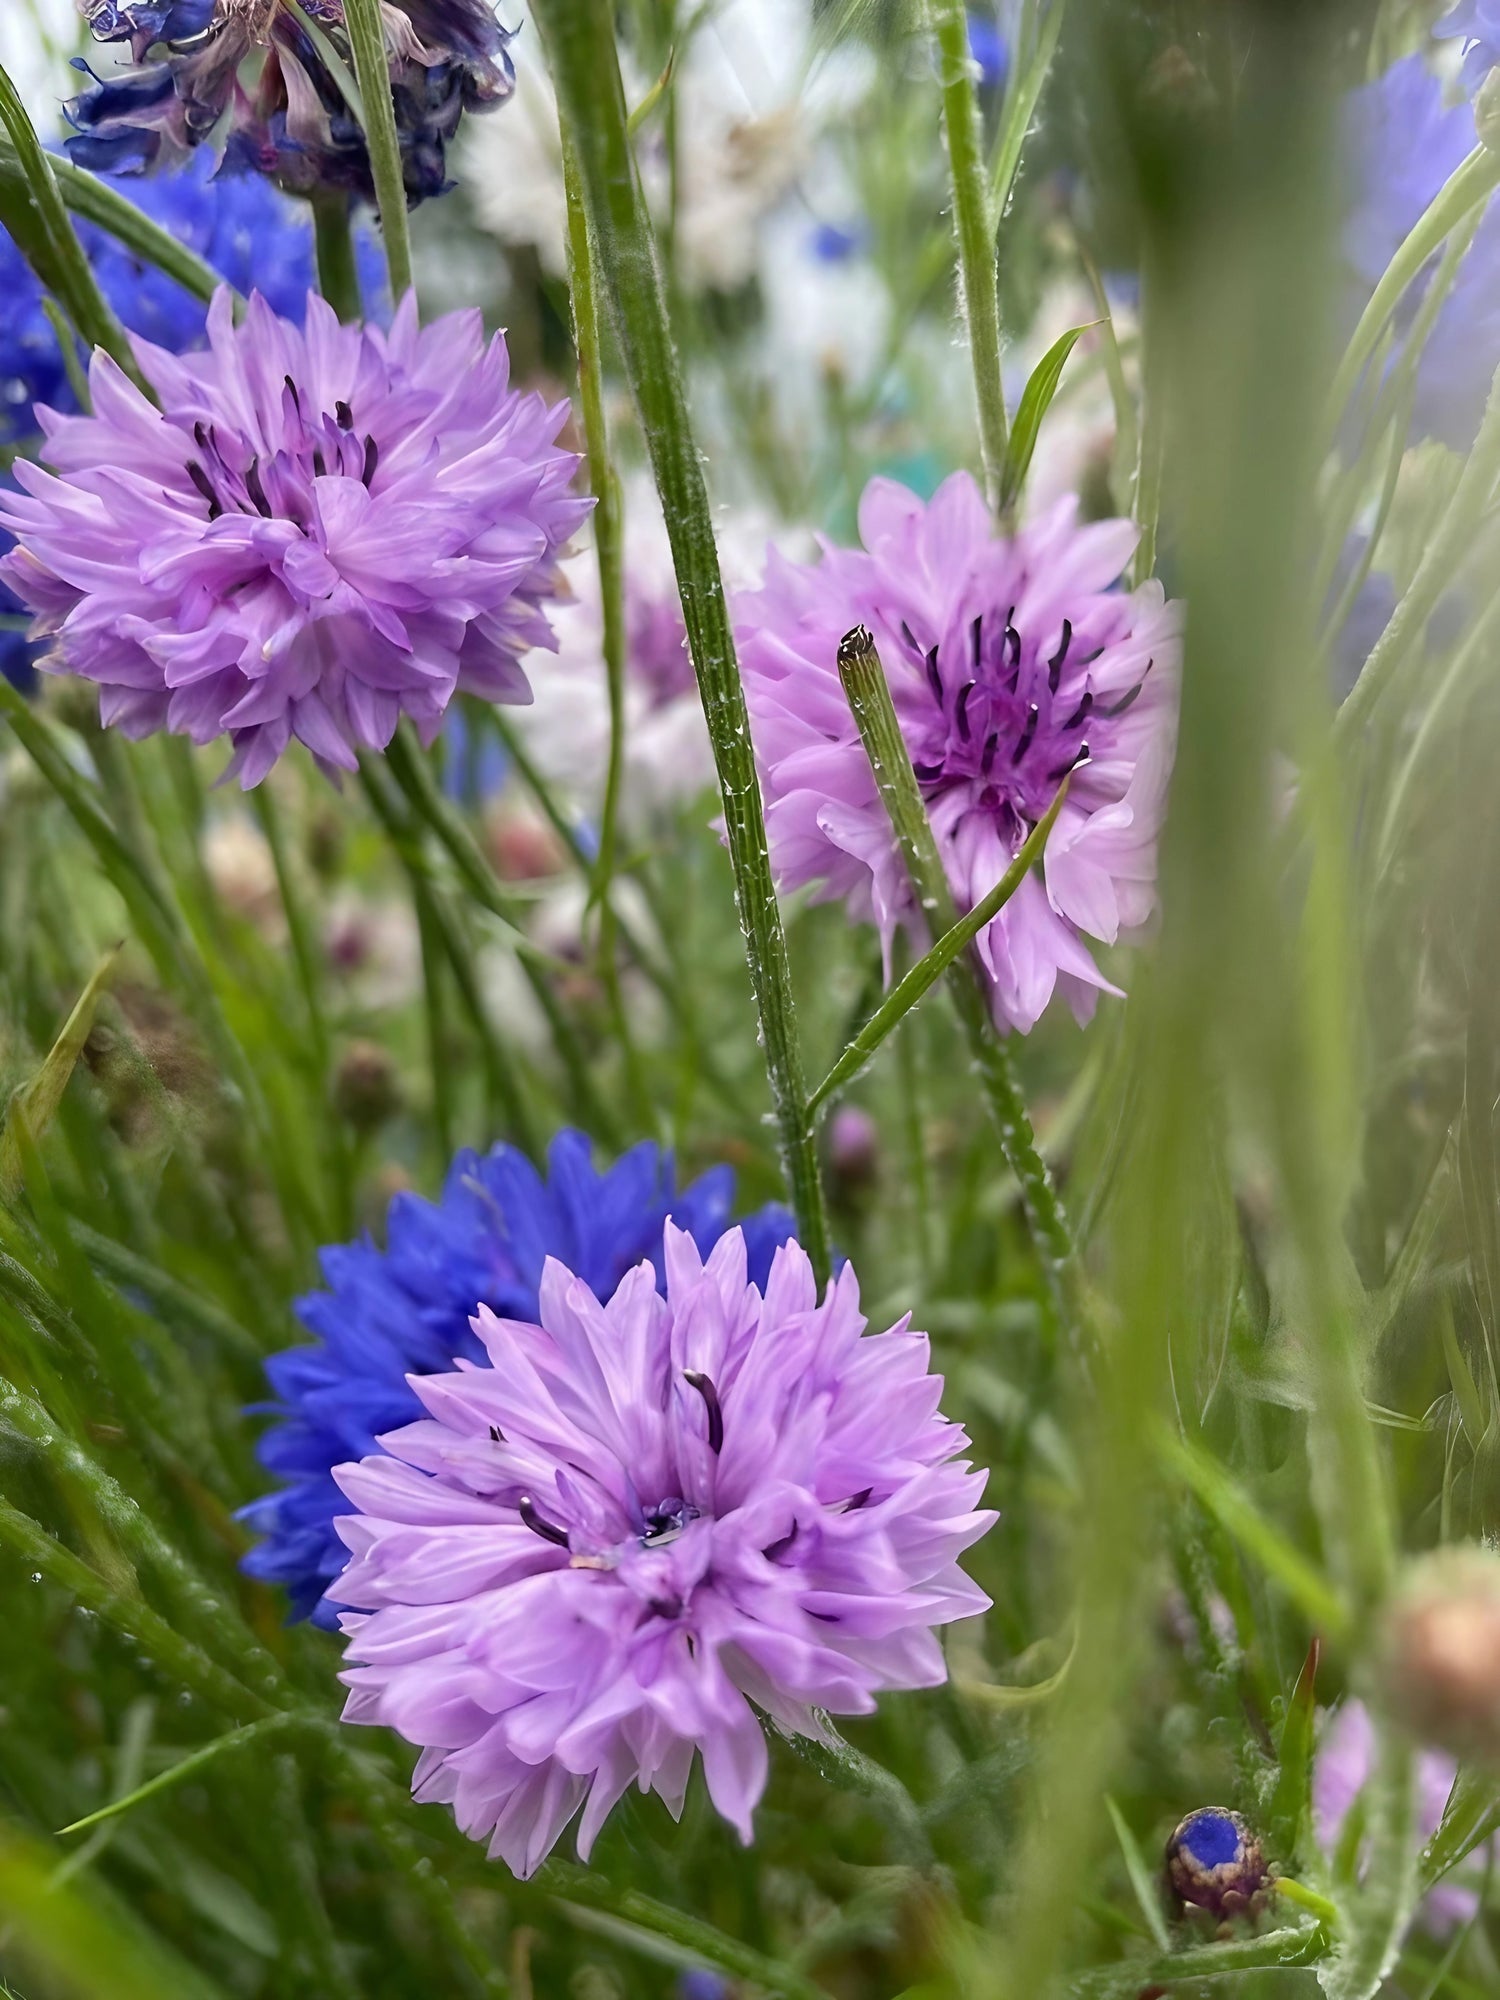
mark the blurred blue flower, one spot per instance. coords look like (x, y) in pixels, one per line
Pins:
(1403, 141)
(1478, 22)
(406, 1310)
(831, 244)
(249, 234)
(990, 49)
(698, 1983)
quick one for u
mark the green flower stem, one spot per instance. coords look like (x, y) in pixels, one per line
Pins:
(1281, 1949)
(70, 274)
(1021, 100)
(869, 697)
(440, 933)
(1467, 188)
(609, 550)
(1440, 562)
(580, 36)
(1382, 1903)
(373, 71)
(333, 237)
(974, 226)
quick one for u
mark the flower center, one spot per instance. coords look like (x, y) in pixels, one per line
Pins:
(1007, 722)
(234, 478)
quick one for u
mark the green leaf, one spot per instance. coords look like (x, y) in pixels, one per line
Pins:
(1465, 1389)
(164, 1780)
(1289, 1801)
(1470, 1817)
(931, 967)
(1142, 1879)
(372, 71)
(1238, 1515)
(35, 1104)
(1036, 400)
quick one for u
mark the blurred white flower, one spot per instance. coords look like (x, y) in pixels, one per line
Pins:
(238, 860)
(741, 138)
(566, 728)
(374, 948)
(37, 38)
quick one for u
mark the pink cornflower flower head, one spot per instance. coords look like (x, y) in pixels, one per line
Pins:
(1344, 1762)
(1011, 663)
(641, 1524)
(317, 533)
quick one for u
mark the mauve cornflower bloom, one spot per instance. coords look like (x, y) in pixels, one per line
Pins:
(1345, 1756)
(321, 530)
(1402, 141)
(288, 118)
(390, 1314)
(640, 1527)
(1011, 663)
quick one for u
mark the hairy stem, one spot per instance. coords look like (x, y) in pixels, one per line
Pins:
(580, 35)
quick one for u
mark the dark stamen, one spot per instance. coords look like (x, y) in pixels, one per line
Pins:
(976, 640)
(254, 488)
(372, 459)
(696, 1379)
(780, 1546)
(1026, 735)
(1013, 645)
(852, 1506)
(205, 486)
(320, 464)
(291, 389)
(1056, 777)
(1080, 712)
(497, 1436)
(344, 414)
(991, 745)
(1055, 664)
(927, 774)
(934, 678)
(1131, 695)
(526, 1508)
(201, 433)
(961, 709)
(666, 1607)
(911, 638)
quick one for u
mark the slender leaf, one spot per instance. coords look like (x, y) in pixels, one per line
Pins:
(1036, 400)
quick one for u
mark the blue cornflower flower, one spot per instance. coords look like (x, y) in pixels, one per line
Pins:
(990, 48)
(405, 1310)
(1403, 142)
(1478, 22)
(287, 118)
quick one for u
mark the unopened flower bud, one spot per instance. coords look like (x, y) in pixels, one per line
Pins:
(366, 1088)
(1442, 1653)
(1215, 1862)
(523, 846)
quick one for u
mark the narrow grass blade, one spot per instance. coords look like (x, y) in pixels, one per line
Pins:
(237, 1739)
(1141, 1878)
(1289, 1802)
(1238, 1515)
(36, 1102)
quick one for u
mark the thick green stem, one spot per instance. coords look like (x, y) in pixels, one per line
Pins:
(974, 228)
(338, 275)
(581, 42)
(869, 697)
(372, 69)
